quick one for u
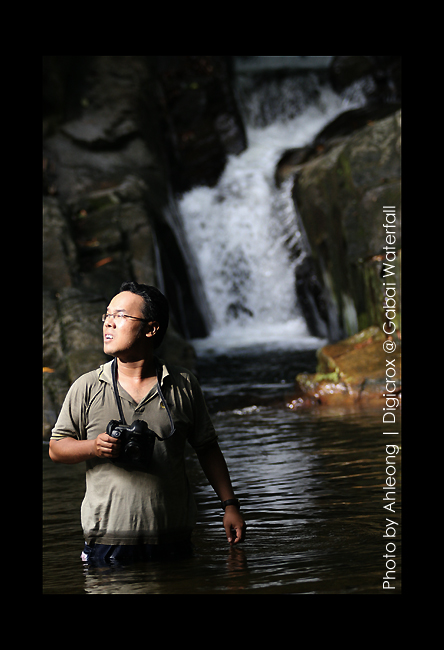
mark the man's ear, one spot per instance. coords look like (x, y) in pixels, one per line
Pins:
(151, 328)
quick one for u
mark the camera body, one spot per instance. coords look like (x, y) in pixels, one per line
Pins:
(136, 442)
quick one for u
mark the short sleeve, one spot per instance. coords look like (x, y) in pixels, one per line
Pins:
(203, 433)
(71, 420)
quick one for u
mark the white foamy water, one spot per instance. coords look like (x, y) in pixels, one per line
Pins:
(237, 230)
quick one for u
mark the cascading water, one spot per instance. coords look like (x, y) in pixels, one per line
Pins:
(238, 231)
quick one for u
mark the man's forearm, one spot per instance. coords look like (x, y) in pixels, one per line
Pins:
(71, 450)
(215, 469)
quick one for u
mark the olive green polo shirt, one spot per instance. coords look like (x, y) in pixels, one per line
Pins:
(124, 505)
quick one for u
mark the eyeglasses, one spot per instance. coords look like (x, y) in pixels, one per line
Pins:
(119, 316)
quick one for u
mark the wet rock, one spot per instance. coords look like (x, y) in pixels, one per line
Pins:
(312, 298)
(53, 356)
(339, 196)
(346, 69)
(350, 121)
(350, 372)
(290, 162)
(114, 237)
(332, 134)
(380, 76)
(238, 311)
(202, 123)
(55, 371)
(59, 253)
(81, 330)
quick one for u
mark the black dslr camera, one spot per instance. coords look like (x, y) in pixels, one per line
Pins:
(136, 442)
(136, 439)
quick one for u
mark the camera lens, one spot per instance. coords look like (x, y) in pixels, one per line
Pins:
(133, 451)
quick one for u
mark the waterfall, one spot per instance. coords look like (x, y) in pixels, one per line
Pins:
(238, 231)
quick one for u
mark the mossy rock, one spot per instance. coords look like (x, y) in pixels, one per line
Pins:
(350, 371)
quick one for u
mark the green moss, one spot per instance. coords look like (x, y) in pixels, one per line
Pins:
(308, 382)
(333, 377)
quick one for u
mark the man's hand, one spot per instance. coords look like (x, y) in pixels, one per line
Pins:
(106, 446)
(70, 450)
(215, 469)
(234, 525)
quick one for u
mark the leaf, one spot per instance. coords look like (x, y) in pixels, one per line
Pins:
(102, 262)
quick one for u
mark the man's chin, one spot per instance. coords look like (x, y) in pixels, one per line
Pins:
(108, 350)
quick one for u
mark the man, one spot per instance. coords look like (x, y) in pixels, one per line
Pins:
(140, 511)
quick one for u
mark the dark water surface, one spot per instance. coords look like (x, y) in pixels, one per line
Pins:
(311, 485)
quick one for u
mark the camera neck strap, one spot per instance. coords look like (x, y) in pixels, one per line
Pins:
(159, 390)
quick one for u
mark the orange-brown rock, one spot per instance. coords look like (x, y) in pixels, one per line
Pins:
(356, 370)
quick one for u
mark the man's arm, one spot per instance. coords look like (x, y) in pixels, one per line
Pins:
(71, 451)
(215, 469)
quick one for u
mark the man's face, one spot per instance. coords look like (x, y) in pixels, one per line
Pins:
(125, 335)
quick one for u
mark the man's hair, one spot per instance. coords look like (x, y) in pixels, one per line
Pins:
(155, 307)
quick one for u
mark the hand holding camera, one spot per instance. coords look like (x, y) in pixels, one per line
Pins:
(106, 447)
(136, 442)
(130, 444)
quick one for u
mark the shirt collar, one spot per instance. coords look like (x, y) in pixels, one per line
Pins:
(105, 371)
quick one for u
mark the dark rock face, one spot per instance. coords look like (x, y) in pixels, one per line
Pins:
(122, 135)
(382, 72)
(340, 194)
(201, 118)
